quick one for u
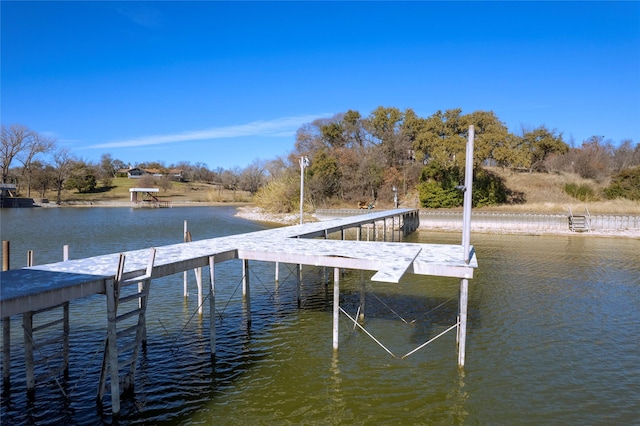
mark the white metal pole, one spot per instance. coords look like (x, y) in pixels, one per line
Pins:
(462, 330)
(185, 278)
(336, 306)
(468, 192)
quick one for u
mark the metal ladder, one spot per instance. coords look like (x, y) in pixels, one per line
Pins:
(126, 330)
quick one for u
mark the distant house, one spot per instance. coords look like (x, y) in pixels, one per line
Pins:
(137, 173)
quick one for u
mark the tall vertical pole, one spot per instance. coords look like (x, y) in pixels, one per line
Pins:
(304, 162)
(466, 238)
(336, 306)
(468, 195)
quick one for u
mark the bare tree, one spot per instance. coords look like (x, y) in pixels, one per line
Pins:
(253, 176)
(33, 145)
(63, 162)
(13, 141)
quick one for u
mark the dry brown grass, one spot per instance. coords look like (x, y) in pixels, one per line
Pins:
(544, 193)
(179, 192)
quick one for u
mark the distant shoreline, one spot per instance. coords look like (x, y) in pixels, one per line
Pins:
(250, 212)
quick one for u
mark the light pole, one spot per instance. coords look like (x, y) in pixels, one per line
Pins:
(395, 197)
(304, 162)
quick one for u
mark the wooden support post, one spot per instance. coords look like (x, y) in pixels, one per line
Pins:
(6, 353)
(185, 275)
(27, 325)
(246, 290)
(65, 340)
(359, 233)
(336, 306)
(384, 229)
(362, 296)
(462, 321)
(198, 273)
(30, 258)
(298, 283)
(5, 255)
(212, 308)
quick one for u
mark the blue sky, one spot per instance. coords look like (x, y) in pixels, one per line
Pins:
(225, 83)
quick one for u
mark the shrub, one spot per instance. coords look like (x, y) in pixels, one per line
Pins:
(625, 184)
(439, 188)
(582, 192)
(278, 195)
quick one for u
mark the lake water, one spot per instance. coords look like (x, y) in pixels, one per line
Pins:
(553, 337)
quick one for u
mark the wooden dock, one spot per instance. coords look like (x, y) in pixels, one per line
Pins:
(30, 290)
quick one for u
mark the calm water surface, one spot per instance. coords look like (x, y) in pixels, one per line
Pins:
(553, 338)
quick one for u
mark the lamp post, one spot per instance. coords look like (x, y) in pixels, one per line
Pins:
(395, 197)
(304, 162)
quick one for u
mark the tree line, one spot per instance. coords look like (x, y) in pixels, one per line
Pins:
(36, 164)
(353, 158)
(356, 158)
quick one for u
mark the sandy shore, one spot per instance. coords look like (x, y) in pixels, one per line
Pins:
(259, 215)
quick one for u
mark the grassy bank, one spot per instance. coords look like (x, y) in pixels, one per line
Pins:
(178, 192)
(541, 192)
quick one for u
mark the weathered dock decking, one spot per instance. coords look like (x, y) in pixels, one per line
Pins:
(29, 290)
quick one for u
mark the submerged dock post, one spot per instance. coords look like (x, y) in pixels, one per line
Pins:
(246, 290)
(6, 328)
(336, 306)
(212, 308)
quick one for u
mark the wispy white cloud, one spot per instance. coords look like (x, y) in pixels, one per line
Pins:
(285, 126)
(144, 16)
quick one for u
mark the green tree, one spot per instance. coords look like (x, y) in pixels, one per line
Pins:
(324, 176)
(442, 138)
(81, 177)
(540, 143)
(438, 186)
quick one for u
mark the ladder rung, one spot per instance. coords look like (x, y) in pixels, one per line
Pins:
(50, 308)
(130, 297)
(129, 314)
(51, 357)
(126, 362)
(42, 343)
(50, 374)
(47, 325)
(128, 346)
(135, 280)
(127, 331)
